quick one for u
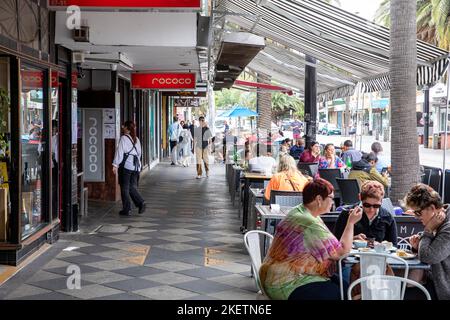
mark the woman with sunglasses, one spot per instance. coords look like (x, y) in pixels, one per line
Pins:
(433, 246)
(376, 223)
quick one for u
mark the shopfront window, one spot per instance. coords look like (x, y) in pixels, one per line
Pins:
(5, 147)
(33, 128)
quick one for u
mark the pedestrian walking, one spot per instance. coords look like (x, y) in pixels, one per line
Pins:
(127, 163)
(202, 139)
(185, 146)
(174, 137)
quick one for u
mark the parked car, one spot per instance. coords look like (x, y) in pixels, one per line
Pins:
(331, 129)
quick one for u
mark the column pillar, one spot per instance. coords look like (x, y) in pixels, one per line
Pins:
(310, 101)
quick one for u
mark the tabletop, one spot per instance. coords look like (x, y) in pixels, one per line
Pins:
(253, 175)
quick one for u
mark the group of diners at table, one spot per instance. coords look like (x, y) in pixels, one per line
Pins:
(301, 261)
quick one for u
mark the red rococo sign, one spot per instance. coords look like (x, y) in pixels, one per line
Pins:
(194, 4)
(163, 80)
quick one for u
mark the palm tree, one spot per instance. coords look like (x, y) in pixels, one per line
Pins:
(433, 20)
(403, 66)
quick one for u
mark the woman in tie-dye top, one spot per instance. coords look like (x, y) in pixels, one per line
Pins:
(301, 260)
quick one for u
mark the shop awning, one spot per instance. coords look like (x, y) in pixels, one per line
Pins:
(338, 39)
(264, 86)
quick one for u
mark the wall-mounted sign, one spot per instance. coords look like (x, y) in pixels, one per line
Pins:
(163, 80)
(35, 79)
(93, 145)
(187, 103)
(184, 94)
(191, 4)
(109, 123)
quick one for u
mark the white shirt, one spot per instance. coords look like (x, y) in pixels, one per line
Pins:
(262, 164)
(126, 146)
(175, 131)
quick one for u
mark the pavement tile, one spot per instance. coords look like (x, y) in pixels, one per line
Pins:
(26, 290)
(91, 292)
(169, 278)
(172, 266)
(203, 286)
(205, 273)
(132, 284)
(102, 277)
(177, 246)
(140, 271)
(165, 293)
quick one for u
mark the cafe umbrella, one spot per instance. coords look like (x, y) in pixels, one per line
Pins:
(238, 112)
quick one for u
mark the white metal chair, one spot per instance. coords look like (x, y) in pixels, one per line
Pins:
(382, 287)
(371, 263)
(252, 241)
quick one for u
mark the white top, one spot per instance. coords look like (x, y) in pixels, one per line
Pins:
(126, 146)
(262, 164)
(175, 131)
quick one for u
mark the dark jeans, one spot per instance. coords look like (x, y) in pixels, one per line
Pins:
(128, 183)
(326, 290)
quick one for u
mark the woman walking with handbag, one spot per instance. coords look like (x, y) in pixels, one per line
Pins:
(127, 162)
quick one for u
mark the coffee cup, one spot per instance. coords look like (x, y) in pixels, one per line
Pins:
(380, 248)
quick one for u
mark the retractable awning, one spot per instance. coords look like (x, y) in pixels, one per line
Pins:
(339, 40)
(263, 86)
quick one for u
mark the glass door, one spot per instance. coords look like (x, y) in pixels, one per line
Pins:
(5, 147)
(33, 128)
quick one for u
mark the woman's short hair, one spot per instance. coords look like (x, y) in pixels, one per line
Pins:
(372, 189)
(317, 187)
(287, 163)
(377, 147)
(422, 196)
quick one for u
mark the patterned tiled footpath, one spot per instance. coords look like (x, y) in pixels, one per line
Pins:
(187, 245)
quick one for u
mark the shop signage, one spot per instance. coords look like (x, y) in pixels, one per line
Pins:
(191, 4)
(35, 79)
(93, 146)
(163, 80)
(187, 103)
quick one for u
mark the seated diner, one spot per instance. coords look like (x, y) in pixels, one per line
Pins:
(301, 261)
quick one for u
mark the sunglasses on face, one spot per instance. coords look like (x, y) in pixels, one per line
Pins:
(368, 205)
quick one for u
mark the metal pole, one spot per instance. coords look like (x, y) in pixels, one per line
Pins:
(426, 116)
(446, 132)
(362, 123)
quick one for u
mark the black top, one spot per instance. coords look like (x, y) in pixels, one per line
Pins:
(382, 228)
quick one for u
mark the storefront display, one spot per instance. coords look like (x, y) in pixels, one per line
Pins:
(33, 129)
(5, 140)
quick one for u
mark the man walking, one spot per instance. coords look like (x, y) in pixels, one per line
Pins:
(202, 138)
(174, 134)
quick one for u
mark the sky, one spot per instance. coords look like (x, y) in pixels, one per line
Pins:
(365, 8)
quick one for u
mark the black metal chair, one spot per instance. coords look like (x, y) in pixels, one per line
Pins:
(308, 168)
(435, 180)
(446, 187)
(349, 190)
(286, 198)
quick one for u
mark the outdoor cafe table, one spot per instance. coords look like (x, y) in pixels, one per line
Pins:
(249, 178)
(414, 263)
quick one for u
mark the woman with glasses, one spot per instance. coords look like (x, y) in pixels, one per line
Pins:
(300, 264)
(376, 223)
(433, 246)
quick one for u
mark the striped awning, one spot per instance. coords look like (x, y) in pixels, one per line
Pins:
(346, 46)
